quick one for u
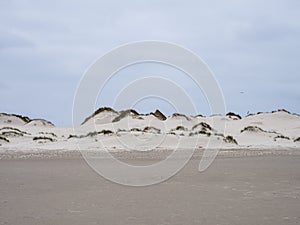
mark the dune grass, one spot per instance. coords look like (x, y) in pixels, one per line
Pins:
(297, 139)
(4, 139)
(43, 138)
(230, 139)
(150, 129)
(281, 137)
(91, 134)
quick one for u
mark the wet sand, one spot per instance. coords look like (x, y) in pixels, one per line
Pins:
(234, 190)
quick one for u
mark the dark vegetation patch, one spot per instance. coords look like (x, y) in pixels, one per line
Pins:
(230, 139)
(281, 137)
(14, 129)
(179, 128)
(274, 111)
(256, 129)
(24, 118)
(44, 122)
(204, 126)
(4, 139)
(297, 139)
(102, 109)
(158, 114)
(91, 134)
(125, 113)
(43, 138)
(205, 129)
(138, 117)
(49, 133)
(135, 129)
(202, 132)
(252, 129)
(180, 115)
(11, 134)
(281, 110)
(151, 130)
(231, 114)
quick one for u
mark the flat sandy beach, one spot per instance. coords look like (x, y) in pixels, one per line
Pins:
(234, 190)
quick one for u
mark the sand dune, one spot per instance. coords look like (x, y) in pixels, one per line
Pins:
(129, 130)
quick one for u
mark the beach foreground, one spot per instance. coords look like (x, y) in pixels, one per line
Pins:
(234, 190)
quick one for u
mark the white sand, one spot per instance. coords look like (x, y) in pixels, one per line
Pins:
(276, 130)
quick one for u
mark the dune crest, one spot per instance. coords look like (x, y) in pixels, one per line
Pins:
(115, 130)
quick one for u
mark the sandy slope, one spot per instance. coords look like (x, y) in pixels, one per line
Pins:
(128, 130)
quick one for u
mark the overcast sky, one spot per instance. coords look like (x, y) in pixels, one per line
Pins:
(253, 48)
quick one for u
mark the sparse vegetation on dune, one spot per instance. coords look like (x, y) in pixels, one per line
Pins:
(297, 139)
(230, 139)
(102, 109)
(179, 128)
(202, 125)
(281, 137)
(125, 113)
(252, 129)
(91, 134)
(256, 129)
(151, 130)
(274, 111)
(231, 114)
(11, 134)
(176, 115)
(281, 110)
(203, 132)
(158, 114)
(105, 132)
(42, 121)
(43, 138)
(205, 129)
(24, 118)
(4, 139)
(135, 129)
(14, 129)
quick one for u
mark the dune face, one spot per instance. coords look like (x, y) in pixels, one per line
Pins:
(127, 130)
